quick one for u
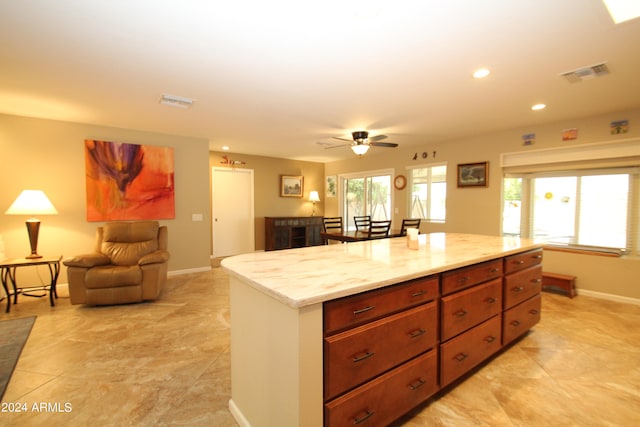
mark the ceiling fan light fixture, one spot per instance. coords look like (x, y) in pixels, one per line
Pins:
(360, 149)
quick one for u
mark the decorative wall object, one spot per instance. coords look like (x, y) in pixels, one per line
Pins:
(529, 139)
(331, 186)
(473, 174)
(291, 185)
(618, 127)
(570, 134)
(129, 181)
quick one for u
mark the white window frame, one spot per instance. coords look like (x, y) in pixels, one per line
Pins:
(410, 200)
(363, 174)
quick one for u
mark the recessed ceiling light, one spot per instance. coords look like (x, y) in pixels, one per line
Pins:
(538, 107)
(623, 10)
(225, 148)
(481, 73)
(176, 101)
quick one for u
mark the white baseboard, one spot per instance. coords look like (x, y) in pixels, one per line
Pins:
(610, 297)
(237, 414)
(188, 271)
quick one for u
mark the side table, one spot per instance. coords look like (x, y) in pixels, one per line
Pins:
(8, 273)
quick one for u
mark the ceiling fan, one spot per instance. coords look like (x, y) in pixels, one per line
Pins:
(361, 142)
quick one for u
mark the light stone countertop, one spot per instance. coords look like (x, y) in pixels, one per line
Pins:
(311, 275)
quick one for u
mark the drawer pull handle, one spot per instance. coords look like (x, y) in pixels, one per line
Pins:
(460, 357)
(362, 357)
(366, 416)
(417, 333)
(491, 300)
(417, 384)
(533, 311)
(460, 313)
(517, 289)
(418, 294)
(462, 280)
(494, 270)
(515, 323)
(518, 262)
(490, 339)
(537, 257)
(536, 280)
(363, 310)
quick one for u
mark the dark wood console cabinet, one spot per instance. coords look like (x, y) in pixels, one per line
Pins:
(292, 232)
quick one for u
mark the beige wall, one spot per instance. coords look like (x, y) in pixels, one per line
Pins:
(49, 155)
(267, 171)
(478, 210)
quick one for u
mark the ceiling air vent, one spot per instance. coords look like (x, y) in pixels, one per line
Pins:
(586, 73)
(176, 101)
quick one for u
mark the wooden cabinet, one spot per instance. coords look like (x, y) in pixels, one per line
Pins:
(380, 353)
(388, 350)
(292, 232)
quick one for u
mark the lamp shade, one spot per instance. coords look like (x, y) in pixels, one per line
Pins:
(32, 202)
(360, 149)
(313, 196)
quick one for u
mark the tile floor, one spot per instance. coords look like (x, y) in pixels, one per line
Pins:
(167, 364)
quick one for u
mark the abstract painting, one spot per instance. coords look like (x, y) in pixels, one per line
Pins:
(129, 181)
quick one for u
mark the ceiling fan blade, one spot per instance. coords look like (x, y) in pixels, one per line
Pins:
(336, 146)
(383, 144)
(342, 139)
(377, 138)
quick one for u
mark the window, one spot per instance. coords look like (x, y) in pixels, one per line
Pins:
(367, 193)
(593, 209)
(429, 193)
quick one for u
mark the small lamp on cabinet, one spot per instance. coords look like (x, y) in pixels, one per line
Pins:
(314, 197)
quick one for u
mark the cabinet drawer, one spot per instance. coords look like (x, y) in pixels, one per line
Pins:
(523, 260)
(465, 309)
(520, 319)
(466, 351)
(522, 285)
(468, 276)
(386, 398)
(355, 310)
(357, 355)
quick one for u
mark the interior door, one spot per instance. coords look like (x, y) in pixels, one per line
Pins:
(232, 211)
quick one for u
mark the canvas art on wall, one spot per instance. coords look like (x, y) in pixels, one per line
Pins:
(129, 181)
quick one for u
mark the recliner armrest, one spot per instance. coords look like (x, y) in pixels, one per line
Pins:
(156, 257)
(87, 260)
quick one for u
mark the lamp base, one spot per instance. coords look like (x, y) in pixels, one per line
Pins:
(33, 227)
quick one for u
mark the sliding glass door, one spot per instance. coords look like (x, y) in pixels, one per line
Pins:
(366, 193)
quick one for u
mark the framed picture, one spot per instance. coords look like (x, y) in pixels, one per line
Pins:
(331, 186)
(473, 175)
(291, 185)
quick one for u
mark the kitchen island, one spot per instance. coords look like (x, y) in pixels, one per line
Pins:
(284, 341)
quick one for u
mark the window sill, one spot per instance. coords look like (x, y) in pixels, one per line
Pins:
(585, 250)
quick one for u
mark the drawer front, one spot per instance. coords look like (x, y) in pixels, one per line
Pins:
(466, 351)
(468, 276)
(465, 309)
(523, 260)
(357, 355)
(520, 319)
(386, 398)
(355, 310)
(522, 285)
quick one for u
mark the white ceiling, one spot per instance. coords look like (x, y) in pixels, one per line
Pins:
(274, 78)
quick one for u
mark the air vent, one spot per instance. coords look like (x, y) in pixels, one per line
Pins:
(586, 73)
(176, 101)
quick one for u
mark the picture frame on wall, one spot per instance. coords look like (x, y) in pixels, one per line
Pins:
(331, 186)
(473, 174)
(291, 185)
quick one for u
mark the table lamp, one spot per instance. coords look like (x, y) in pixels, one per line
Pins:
(314, 197)
(32, 202)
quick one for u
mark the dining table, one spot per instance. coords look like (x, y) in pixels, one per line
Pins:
(355, 235)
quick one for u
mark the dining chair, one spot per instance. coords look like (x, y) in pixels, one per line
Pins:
(332, 223)
(379, 228)
(362, 222)
(409, 223)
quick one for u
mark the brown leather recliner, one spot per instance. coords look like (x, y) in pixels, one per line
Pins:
(129, 264)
